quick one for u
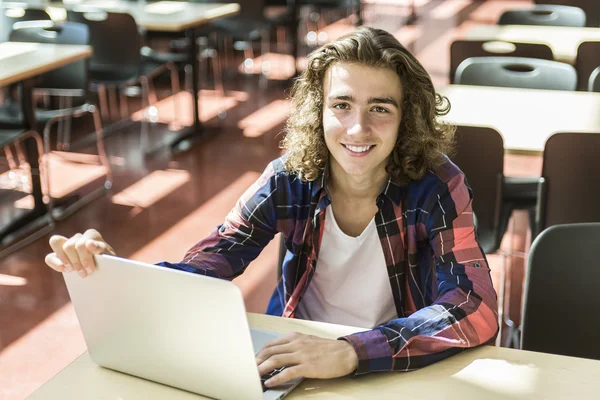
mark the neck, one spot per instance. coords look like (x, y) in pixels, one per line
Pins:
(356, 187)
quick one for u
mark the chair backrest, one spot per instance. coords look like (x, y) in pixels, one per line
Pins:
(543, 14)
(588, 58)
(10, 15)
(460, 50)
(480, 155)
(517, 72)
(73, 76)
(561, 292)
(594, 84)
(590, 7)
(114, 38)
(571, 189)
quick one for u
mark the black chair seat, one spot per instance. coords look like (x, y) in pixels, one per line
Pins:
(111, 76)
(240, 28)
(9, 136)
(488, 240)
(12, 116)
(152, 56)
(521, 189)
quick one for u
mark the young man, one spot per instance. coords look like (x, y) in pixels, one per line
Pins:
(377, 222)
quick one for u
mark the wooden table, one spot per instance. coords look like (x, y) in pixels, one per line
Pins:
(526, 118)
(483, 373)
(562, 40)
(164, 16)
(20, 63)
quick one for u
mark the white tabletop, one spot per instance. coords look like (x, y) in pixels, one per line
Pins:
(562, 40)
(20, 61)
(526, 118)
(166, 16)
(483, 373)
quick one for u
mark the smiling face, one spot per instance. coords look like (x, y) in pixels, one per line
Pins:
(361, 116)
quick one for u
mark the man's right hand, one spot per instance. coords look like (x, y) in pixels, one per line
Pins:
(76, 253)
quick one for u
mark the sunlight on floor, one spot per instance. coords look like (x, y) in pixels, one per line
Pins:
(265, 118)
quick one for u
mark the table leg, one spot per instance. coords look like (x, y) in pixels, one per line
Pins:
(197, 132)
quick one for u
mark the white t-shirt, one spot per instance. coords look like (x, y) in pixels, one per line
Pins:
(351, 285)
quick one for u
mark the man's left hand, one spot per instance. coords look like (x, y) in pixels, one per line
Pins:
(307, 356)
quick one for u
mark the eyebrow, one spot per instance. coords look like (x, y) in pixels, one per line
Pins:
(372, 100)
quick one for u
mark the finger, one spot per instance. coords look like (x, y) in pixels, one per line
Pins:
(56, 243)
(98, 244)
(282, 340)
(278, 361)
(85, 257)
(97, 247)
(54, 262)
(264, 354)
(285, 376)
(69, 249)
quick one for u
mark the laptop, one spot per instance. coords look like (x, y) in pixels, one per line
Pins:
(184, 330)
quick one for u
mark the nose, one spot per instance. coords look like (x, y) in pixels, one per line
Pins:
(359, 124)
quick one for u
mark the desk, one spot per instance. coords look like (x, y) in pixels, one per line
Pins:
(21, 62)
(165, 16)
(526, 118)
(562, 40)
(483, 373)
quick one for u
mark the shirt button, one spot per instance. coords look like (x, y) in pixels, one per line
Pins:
(477, 265)
(222, 228)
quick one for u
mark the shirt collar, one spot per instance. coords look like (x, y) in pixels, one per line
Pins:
(392, 190)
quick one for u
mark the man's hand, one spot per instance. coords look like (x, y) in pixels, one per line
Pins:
(307, 356)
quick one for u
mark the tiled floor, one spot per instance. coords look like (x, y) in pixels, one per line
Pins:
(159, 206)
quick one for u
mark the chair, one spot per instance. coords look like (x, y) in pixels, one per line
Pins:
(14, 137)
(546, 15)
(480, 155)
(594, 85)
(588, 58)
(9, 16)
(590, 7)
(244, 28)
(116, 61)
(570, 186)
(561, 292)
(71, 82)
(460, 50)
(516, 72)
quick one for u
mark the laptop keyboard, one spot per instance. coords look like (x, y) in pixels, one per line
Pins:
(269, 375)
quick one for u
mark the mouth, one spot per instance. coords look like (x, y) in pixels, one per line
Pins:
(359, 150)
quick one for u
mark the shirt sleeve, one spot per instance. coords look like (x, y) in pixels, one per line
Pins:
(247, 229)
(464, 313)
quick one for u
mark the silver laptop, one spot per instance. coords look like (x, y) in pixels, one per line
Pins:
(180, 329)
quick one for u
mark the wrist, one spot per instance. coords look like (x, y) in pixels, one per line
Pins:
(351, 358)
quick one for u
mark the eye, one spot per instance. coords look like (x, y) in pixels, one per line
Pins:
(380, 109)
(341, 106)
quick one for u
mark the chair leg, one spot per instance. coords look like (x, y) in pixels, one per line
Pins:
(60, 126)
(175, 89)
(67, 126)
(144, 139)
(61, 214)
(112, 101)
(103, 102)
(123, 103)
(100, 146)
(9, 157)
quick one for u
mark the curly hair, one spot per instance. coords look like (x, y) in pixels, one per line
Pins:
(422, 140)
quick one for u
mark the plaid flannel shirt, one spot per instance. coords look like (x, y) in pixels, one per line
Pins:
(438, 273)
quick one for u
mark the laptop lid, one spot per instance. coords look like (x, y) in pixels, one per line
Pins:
(180, 329)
